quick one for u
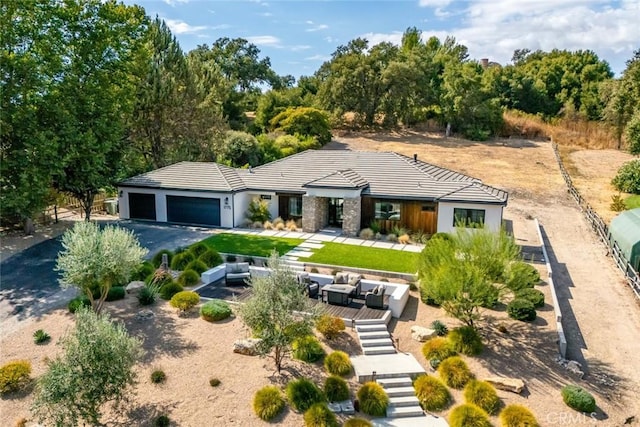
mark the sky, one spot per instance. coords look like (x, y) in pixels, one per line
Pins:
(298, 36)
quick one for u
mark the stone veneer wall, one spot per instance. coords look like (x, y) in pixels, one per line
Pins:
(315, 213)
(351, 216)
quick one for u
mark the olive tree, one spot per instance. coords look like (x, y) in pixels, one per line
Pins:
(94, 259)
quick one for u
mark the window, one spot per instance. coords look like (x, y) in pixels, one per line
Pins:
(295, 206)
(470, 218)
(388, 210)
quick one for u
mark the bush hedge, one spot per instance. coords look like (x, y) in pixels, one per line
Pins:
(534, 295)
(521, 275)
(189, 278)
(181, 260)
(373, 399)
(578, 398)
(338, 363)
(268, 402)
(483, 395)
(116, 293)
(432, 393)
(302, 394)
(157, 258)
(211, 258)
(307, 349)
(357, 422)
(517, 416)
(185, 300)
(14, 376)
(77, 302)
(336, 389)
(168, 290)
(143, 271)
(521, 309)
(330, 326)
(215, 310)
(454, 372)
(627, 179)
(468, 415)
(198, 249)
(466, 340)
(438, 348)
(197, 266)
(319, 415)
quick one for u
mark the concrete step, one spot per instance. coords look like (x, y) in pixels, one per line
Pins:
(401, 401)
(378, 350)
(372, 335)
(400, 391)
(376, 342)
(395, 382)
(371, 322)
(371, 328)
(404, 411)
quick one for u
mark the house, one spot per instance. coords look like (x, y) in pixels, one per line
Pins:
(320, 188)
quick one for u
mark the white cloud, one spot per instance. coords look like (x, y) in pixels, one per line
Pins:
(318, 57)
(220, 27)
(173, 3)
(376, 38)
(299, 47)
(178, 26)
(315, 27)
(272, 41)
(266, 14)
(330, 39)
(434, 3)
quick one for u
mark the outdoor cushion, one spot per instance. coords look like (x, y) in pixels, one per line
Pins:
(354, 279)
(341, 278)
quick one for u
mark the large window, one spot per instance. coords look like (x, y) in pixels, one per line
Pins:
(295, 206)
(388, 210)
(471, 218)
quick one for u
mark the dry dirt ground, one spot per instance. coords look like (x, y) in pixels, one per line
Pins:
(602, 319)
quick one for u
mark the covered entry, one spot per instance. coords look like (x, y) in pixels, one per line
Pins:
(142, 206)
(193, 210)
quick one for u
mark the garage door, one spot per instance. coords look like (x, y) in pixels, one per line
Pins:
(193, 210)
(142, 206)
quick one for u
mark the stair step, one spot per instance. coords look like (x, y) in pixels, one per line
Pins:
(402, 401)
(400, 391)
(404, 411)
(367, 351)
(376, 342)
(395, 382)
(372, 335)
(371, 328)
(371, 322)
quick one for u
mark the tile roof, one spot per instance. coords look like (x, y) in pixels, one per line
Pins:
(347, 178)
(204, 176)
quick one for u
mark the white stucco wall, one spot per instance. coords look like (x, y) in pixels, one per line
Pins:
(241, 204)
(492, 216)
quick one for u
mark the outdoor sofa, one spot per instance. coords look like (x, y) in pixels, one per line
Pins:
(237, 272)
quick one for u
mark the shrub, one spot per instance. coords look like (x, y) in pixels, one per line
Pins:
(143, 271)
(627, 179)
(211, 258)
(404, 239)
(455, 372)
(215, 310)
(168, 290)
(366, 234)
(157, 258)
(330, 326)
(181, 260)
(468, 415)
(160, 278)
(148, 294)
(443, 236)
(483, 395)
(357, 422)
(41, 337)
(535, 296)
(432, 393)
(434, 363)
(319, 415)
(116, 293)
(77, 302)
(162, 421)
(214, 382)
(336, 389)
(189, 277)
(185, 300)
(14, 376)
(232, 258)
(21, 422)
(517, 416)
(440, 328)
(466, 340)
(268, 402)
(158, 376)
(438, 348)
(258, 211)
(305, 121)
(373, 399)
(617, 203)
(521, 275)
(197, 266)
(302, 394)
(338, 363)
(521, 309)
(307, 349)
(578, 398)
(392, 237)
(291, 225)
(198, 249)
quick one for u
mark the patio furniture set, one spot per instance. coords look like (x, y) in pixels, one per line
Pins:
(344, 288)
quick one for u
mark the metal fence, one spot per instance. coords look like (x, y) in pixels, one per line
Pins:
(601, 229)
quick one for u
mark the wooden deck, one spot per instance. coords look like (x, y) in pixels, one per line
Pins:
(356, 310)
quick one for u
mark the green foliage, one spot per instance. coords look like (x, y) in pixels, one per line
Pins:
(483, 395)
(243, 244)
(14, 376)
(365, 257)
(521, 275)
(517, 416)
(168, 290)
(77, 302)
(158, 376)
(143, 271)
(116, 293)
(373, 399)
(157, 258)
(632, 202)
(307, 349)
(198, 249)
(521, 309)
(627, 179)
(438, 348)
(304, 121)
(214, 382)
(96, 366)
(578, 398)
(211, 258)
(162, 421)
(632, 133)
(330, 326)
(198, 266)
(617, 203)
(268, 402)
(239, 149)
(432, 393)
(338, 363)
(336, 389)
(189, 277)
(468, 415)
(440, 328)
(181, 260)
(185, 300)
(454, 372)
(258, 210)
(302, 394)
(357, 422)
(215, 310)
(319, 415)
(41, 337)
(466, 340)
(148, 294)
(534, 295)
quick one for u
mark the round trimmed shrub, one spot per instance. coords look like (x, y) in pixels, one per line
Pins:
(483, 395)
(168, 290)
(578, 398)
(268, 402)
(215, 310)
(521, 309)
(454, 372)
(198, 249)
(158, 376)
(189, 277)
(185, 300)
(468, 415)
(438, 348)
(373, 399)
(517, 416)
(197, 266)
(357, 422)
(466, 340)
(181, 260)
(432, 393)
(338, 363)
(521, 275)
(319, 415)
(336, 389)
(143, 271)
(302, 394)
(14, 375)
(162, 421)
(211, 258)
(77, 302)
(534, 295)
(157, 258)
(116, 293)
(307, 349)
(330, 326)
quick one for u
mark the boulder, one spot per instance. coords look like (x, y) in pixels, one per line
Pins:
(422, 334)
(247, 347)
(144, 315)
(134, 287)
(513, 385)
(575, 368)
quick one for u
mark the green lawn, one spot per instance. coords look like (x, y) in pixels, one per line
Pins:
(243, 244)
(366, 257)
(632, 202)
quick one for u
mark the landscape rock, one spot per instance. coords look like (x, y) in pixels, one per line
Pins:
(145, 315)
(248, 347)
(134, 287)
(513, 385)
(574, 367)
(422, 334)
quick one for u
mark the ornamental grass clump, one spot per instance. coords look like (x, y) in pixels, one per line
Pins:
(307, 349)
(338, 363)
(158, 376)
(215, 310)
(517, 416)
(41, 337)
(185, 301)
(440, 328)
(468, 415)
(319, 415)
(336, 389)
(373, 399)
(466, 340)
(268, 402)
(330, 326)
(454, 372)
(483, 395)
(432, 393)
(302, 394)
(357, 422)
(148, 294)
(438, 348)
(578, 398)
